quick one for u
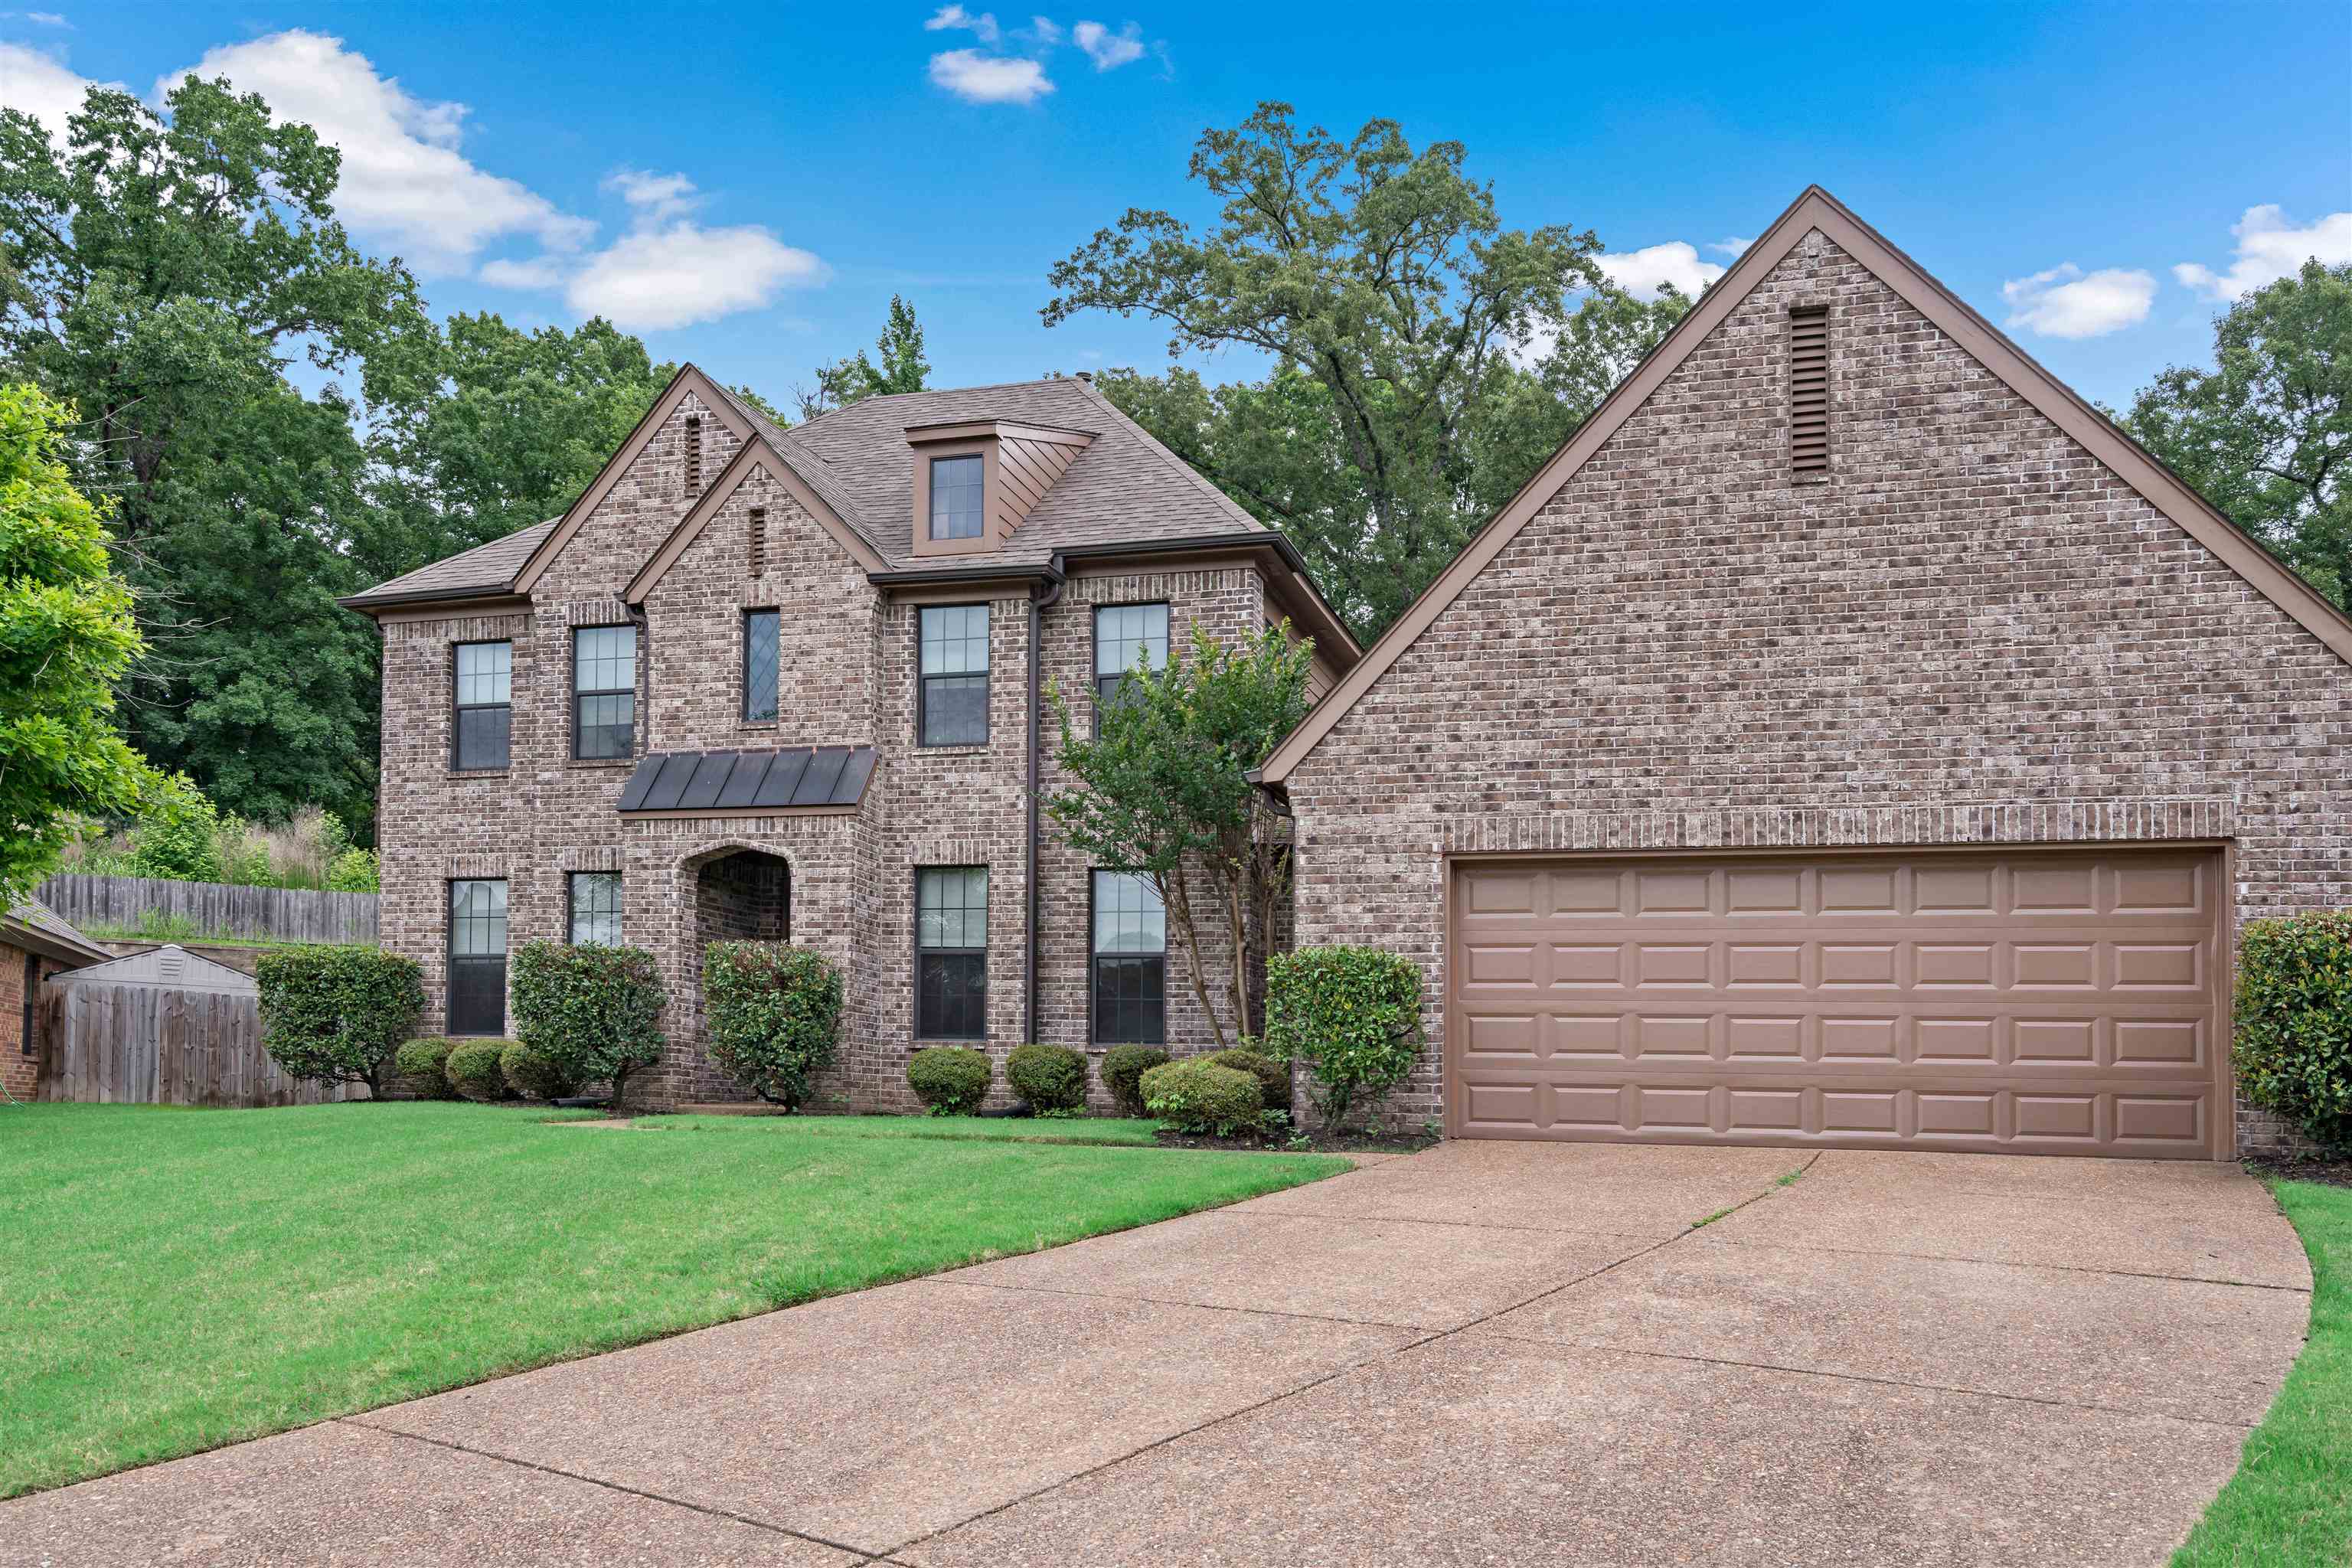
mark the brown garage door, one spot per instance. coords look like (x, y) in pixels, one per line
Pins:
(2041, 1002)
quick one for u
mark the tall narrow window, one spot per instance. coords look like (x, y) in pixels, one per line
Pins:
(477, 958)
(952, 952)
(603, 692)
(1808, 389)
(595, 899)
(956, 487)
(1128, 637)
(758, 529)
(952, 702)
(693, 454)
(484, 711)
(761, 629)
(1130, 961)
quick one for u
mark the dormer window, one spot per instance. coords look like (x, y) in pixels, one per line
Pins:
(959, 485)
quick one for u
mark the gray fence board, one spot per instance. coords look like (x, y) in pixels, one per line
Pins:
(147, 1044)
(281, 914)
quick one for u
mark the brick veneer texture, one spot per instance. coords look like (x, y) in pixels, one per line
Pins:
(848, 657)
(1970, 631)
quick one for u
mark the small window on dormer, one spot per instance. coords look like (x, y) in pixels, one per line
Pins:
(956, 487)
(693, 454)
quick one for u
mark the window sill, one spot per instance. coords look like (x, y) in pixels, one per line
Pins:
(981, 750)
(600, 763)
(506, 772)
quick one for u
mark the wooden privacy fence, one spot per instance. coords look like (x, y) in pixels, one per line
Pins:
(213, 909)
(151, 1045)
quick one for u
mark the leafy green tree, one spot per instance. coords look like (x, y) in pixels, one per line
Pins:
(1162, 791)
(593, 1012)
(1384, 276)
(67, 635)
(903, 366)
(2266, 434)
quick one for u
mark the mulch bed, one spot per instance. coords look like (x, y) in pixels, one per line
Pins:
(1288, 1143)
(2328, 1173)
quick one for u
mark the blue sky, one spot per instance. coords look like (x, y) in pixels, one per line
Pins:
(747, 186)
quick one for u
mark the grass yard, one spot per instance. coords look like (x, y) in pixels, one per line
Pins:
(2290, 1504)
(176, 1280)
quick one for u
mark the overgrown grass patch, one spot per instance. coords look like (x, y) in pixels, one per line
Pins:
(2290, 1504)
(177, 1279)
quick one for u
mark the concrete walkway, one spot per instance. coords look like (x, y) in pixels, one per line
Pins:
(1490, 1354)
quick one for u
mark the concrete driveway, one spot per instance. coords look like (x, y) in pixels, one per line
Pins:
(1490, 1354)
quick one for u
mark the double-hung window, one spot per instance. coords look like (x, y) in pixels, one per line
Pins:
(595, 899)
(760, 632)
(952, 704)
(484, 721)
(952, 952)
(1130, 961)
(603, 692)
(957, 484)
(1128, 637)
(477, 958)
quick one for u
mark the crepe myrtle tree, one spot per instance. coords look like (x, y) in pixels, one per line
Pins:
(1162, 791)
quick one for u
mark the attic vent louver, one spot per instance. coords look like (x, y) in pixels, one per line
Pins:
(693, 454)
(1808, 389)
(758, 541)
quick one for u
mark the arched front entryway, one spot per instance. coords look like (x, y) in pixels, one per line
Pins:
(745, 895)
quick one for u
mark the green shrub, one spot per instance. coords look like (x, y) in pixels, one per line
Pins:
(1272, 1077)
(1197, 1096)
(178, 836)
(951, 1080)
(337, 1014)
(241, 855)
(1351, 1013)
(477, 1069)
(1123, 1068)
(1050, 1077)
(534, 1073)
(595, 1012)
(775, 1015)
(355, 872)
(2294, 1048)
(423, 1063)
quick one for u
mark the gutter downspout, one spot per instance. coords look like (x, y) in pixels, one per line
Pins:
(1038, 605)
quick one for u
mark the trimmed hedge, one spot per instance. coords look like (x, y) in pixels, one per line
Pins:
(1050, 1077)
(951, 1080)
(595, 1012)
(477, 1069)
(1272, 1077)
(1198, 1096)
(1123, 1068)
(775, 1015)
(534, 1073)
(2293, 1045)
(421, 1062)
(337, 1014)
(1351, 1013)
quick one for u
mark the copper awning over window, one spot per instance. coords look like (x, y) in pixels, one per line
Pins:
(794, 778)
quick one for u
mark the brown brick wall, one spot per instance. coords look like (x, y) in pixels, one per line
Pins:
(19, 1073)
(1970, 631)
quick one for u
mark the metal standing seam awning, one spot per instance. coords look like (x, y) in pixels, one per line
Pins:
(783, 780)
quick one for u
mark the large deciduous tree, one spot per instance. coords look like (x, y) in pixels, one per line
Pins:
(2266, 434)
(67, 634)
(1377, 273)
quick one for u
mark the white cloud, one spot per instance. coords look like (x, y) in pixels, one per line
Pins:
(656, 198)
(1046, 31)
(680, 273)
(2067, 302)
(2271, 247)
(38, 19)
(1732, 246)
(952, 16)
(1643, 273)
(539, 272)
(1107, 49)
(403, 179)
(987, 78)
(42, 88)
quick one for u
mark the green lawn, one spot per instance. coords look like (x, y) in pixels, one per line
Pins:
(2290, 1504)
(176, 1280)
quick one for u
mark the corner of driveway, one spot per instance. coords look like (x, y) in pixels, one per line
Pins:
(1488, 1353)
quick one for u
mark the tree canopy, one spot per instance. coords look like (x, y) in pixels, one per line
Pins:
(903, 366)
(2266, 434)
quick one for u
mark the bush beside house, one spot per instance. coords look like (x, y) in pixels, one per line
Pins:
(534, 1073)
(1352, 1015)
(1197, 1096)
(2293, 1015)
(593, 1012)
(336, 1014)
(477, 1069)
(950, 1079)
(774, 1015)
(1052, 1079)
(422, 1066)
(1123, 1068)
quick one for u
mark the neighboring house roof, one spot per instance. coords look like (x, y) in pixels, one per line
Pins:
(36, 927)
(823, 778)
(170, 966)
(1816, 208)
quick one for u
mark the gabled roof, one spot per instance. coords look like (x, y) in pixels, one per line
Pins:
(1817, 209)
(33, 926)
(170, 966)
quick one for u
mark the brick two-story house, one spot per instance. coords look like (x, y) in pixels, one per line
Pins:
(772, 683)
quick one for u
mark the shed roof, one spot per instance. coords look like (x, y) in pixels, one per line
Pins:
(171, 966)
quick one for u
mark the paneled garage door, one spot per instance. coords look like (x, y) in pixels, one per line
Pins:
(2040, 1003)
